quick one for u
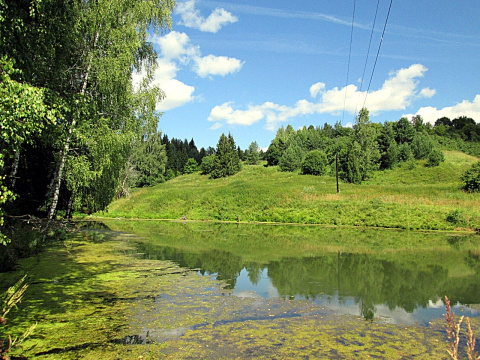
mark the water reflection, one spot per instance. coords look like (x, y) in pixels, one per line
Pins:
(403, 284)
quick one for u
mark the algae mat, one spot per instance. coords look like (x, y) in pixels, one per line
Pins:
(94, 297)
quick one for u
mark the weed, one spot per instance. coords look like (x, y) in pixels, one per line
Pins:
(454, 328)
(10, 299)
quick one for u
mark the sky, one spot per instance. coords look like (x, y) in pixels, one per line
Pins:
(249, 67)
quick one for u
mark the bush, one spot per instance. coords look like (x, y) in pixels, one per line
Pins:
(206, 166)
(471, 179)
(291, 158)
(435, 158)
(314, 163)
(190, 167)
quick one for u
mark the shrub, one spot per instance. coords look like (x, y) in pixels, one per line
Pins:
(190, 167)
(435, 158)
(291, 158)
(314, 163)
(206, 166)
(471, 179)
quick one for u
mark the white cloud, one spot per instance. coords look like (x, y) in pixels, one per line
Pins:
(226, 113)
(316, 88)
(427, 92)
(177, 51)
(175, 45)
(465, 108)
(213, 23)
(216, 65)
(216, 126)
(396, 93)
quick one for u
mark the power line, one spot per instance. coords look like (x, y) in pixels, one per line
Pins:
(349, 57)
(368, 54)
(378, 52)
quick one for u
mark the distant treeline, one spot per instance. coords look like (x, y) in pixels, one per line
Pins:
(368, 146)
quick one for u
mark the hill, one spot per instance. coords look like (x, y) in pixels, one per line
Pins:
(421, 198)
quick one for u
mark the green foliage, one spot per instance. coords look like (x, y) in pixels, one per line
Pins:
(364, 154)
(253, 154)
(150, 159)
(226, 161)
(471, 178)
(191, 166)
(435, 158)
(23, 113)
(404, 131)
(314, 163)
(421, 146)
(291, 159)
(398, 198)
(169, 175)
(206, 166)
(8, 301)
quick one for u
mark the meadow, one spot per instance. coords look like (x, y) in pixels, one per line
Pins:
(422, 198)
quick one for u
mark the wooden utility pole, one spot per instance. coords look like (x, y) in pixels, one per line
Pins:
(336, 171)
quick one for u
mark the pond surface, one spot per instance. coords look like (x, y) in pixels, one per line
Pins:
(400, 277)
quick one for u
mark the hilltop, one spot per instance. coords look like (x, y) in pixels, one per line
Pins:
(422, 198)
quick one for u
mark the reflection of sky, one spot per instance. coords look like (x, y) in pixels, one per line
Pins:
(347, 305)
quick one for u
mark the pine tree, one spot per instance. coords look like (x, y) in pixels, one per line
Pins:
(226, 161)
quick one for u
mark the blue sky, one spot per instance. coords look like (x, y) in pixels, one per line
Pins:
(248, 67)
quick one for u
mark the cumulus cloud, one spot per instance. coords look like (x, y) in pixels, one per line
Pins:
(216, 65)
(213, 23)
(396, 93)
(465, 108)
(177, 51)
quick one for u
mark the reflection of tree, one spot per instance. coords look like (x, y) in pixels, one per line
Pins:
(254, 272)
(226, 265)
(368, 280)
(397, 278)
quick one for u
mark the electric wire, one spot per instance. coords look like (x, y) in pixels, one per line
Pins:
(349, 57)
(378, 52)
(366, 58)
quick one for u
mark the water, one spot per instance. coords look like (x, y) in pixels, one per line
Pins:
(401, 277)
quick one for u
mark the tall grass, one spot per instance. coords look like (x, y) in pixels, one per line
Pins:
(422, 198)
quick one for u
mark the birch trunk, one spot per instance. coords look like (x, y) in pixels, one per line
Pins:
(66, 147)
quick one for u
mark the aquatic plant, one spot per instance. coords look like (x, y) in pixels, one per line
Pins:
(453, 330)
(10, 299)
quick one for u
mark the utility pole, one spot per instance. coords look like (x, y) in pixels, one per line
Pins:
(336, 171)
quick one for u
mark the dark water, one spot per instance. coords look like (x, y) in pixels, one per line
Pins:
(399, 276)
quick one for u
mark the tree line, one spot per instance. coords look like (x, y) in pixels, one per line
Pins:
(366, 147)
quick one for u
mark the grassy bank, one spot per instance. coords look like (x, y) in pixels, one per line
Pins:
(421, 198)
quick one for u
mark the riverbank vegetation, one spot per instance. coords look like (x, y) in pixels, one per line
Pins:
(418, 197)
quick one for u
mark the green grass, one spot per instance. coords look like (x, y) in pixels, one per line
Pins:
(422, 198)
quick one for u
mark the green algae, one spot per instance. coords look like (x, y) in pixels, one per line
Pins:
(94, 297)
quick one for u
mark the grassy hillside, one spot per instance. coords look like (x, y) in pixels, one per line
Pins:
(422, 198)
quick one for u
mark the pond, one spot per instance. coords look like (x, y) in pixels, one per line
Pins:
(400, 277)
(157, 289)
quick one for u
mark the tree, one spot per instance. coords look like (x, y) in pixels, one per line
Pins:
(471, 178)
(150, 158)
(84, 53)
(191, 166)
(253, 155)
(367, 153)
(314, 163)
(421, 145)
(435, 158)
(206, 167)
(226, 161)
(291, 158)
(404, 131)
(23, 112)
